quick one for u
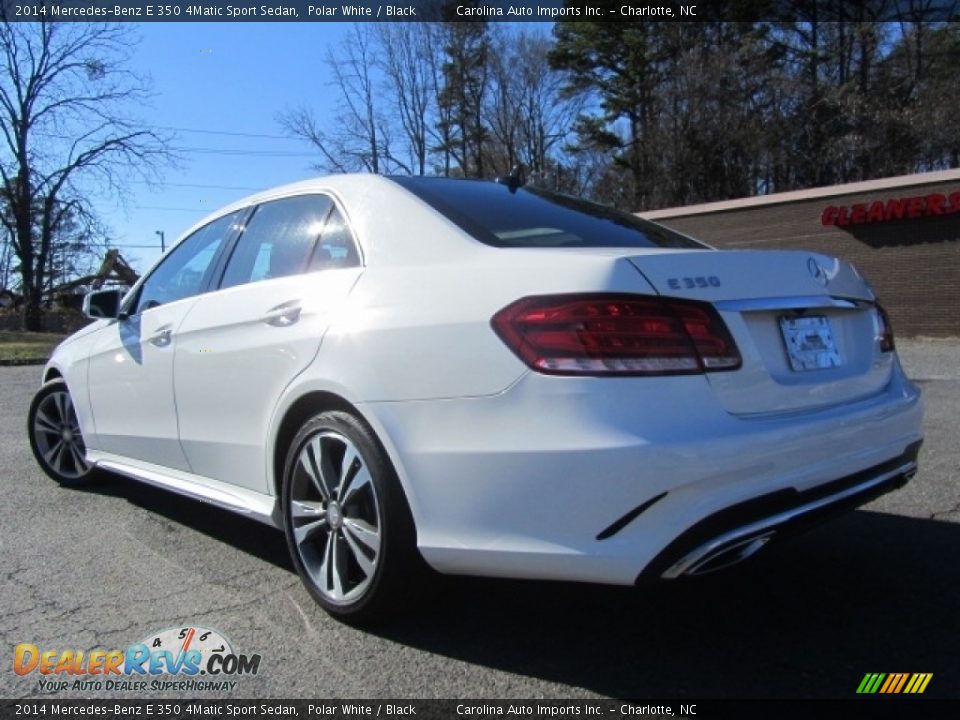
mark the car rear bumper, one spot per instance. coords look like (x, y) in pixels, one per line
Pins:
(616, 479)
(735, 533)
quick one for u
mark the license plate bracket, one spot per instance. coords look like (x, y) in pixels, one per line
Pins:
(810, 343)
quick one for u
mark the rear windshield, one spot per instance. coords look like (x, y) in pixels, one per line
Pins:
(531, 217)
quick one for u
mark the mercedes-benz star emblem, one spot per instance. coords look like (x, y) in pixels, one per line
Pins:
(817, 271)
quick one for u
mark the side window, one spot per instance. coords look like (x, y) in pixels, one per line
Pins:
(336, 248)
(278, 240)
(185, 271)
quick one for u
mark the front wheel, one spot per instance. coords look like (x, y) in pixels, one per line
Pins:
(347, 522)
(55, 436)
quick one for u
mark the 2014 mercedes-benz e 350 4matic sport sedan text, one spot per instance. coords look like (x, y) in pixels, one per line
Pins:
(491, 379)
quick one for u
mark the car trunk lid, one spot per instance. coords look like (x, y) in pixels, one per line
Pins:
(741, 274)
(806, 325)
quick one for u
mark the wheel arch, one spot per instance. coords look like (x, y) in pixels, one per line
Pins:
(317, 401)
(298, 413)
(312, 403)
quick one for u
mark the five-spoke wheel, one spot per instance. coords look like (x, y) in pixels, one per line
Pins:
(347, 522)
(55, 435)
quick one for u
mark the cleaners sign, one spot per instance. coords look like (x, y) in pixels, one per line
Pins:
(882, 211)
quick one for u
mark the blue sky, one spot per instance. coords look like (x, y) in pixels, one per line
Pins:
(221, 78)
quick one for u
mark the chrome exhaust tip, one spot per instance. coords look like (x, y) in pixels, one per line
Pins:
(740, 542)
(701, 563)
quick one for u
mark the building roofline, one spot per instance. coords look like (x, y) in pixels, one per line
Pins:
(809, 194)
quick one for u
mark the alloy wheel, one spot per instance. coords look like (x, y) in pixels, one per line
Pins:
(335, 516)
(57, 436)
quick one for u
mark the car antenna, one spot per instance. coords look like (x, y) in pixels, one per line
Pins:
(512, 180)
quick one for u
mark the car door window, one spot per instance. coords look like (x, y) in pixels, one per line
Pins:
(186, 270)
(336, 248)
(278, 240)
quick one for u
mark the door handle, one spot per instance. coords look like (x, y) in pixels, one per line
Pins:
(283, 315)
(162, 337)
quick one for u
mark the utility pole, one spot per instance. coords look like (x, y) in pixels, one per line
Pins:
(163, 244)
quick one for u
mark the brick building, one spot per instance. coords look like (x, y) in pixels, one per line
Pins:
(903, 233)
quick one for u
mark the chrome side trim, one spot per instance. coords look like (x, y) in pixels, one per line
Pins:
(237, 500)
(789, 303)
(693, 559)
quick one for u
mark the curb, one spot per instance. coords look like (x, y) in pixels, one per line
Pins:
(17, 362)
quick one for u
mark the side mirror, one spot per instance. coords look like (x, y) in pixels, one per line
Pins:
(103, 304)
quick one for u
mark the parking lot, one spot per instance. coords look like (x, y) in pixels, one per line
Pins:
(875, 591)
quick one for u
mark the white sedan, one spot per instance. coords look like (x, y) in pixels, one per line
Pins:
(486, 378)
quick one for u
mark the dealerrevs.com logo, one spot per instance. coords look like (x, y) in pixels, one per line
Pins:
(188, 659)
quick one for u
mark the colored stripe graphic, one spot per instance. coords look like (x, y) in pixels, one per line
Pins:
(894, 683)
(903, 679)
(923, 679)
(869, 683)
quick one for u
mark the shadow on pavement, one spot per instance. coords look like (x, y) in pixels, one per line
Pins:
(245, 534)
(869, 592)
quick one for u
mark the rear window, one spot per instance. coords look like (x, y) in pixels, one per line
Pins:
(531, 217)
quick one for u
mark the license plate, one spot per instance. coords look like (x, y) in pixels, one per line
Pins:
(810, 343)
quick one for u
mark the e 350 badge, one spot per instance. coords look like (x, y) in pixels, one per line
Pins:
(185, 653)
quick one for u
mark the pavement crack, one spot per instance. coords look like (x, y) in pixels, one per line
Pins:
(303, 616)
(945, 513)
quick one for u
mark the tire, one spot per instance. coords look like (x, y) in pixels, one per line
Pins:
(55, 436)
(349, 529)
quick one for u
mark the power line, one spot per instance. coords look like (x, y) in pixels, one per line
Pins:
(210, 151)
(175, 209)
(197, 185)
(228, 133)
(246, 153)
(231, 133)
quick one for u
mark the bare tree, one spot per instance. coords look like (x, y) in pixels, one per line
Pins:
(406, 52)
(6, 263)
(527, 112)
(65, 132)
(361, 139)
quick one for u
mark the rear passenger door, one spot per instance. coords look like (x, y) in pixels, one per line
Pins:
(240, 346)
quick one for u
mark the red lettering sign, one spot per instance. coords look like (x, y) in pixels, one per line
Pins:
(904, 208)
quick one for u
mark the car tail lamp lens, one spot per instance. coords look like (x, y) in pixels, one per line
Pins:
(884, 330)
(614, 334)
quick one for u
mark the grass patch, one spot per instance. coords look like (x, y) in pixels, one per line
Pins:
(23, 346)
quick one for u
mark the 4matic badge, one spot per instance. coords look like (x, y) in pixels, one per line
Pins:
(184, 651)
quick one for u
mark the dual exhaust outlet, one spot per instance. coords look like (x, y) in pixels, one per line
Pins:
(721, 558)
(701, 563)
(745, 541)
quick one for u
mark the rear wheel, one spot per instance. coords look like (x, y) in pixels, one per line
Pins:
(347, 522)
(55, 436)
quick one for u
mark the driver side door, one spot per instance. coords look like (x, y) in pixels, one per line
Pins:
(131, 362)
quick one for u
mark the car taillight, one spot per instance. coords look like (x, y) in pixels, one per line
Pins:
(616, 334)
(884, 330)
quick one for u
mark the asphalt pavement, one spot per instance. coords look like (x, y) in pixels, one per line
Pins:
(877, 590)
